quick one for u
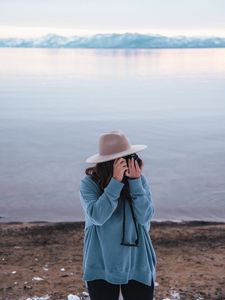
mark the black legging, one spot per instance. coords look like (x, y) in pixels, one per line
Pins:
(101, 289)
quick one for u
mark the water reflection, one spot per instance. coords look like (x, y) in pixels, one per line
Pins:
(110, 62)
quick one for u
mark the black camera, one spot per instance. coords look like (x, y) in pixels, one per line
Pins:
(136, 157)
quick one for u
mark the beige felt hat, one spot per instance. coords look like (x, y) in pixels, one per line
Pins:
(113, 145)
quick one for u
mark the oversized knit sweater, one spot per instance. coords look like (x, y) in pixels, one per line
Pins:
(103, 255)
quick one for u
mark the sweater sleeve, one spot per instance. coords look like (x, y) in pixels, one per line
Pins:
(141, 199)
(100, 209)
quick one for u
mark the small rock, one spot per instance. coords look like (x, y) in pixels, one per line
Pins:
(27, 287)
(13, 272)
(62, 269)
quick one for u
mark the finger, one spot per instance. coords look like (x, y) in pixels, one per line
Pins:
(132, 167)
(133, 163)
(121, 160)
(127, 172)
(115, 161)
(137, 165)
(129, 160)
(124, 167)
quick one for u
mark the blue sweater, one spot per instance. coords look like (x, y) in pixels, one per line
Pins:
(104, 257)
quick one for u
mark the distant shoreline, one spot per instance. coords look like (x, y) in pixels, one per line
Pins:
(102, 48)
(115, 41)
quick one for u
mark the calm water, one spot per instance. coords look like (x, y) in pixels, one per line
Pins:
(54, 104)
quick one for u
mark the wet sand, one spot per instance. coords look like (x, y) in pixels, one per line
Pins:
(190, 256)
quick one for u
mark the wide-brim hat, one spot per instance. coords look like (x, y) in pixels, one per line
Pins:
(113, 145)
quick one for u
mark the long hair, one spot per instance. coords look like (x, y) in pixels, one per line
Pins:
(102, 173)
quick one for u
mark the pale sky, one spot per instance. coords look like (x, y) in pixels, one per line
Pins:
(31, 18)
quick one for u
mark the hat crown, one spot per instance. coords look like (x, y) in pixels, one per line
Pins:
(113, 142)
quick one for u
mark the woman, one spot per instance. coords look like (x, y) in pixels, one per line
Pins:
(116, 200)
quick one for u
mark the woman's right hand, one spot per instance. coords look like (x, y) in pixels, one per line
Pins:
(119, 167)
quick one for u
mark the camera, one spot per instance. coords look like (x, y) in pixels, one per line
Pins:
(136, 157)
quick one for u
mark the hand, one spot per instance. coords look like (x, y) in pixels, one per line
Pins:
(134, 171)
(119, 167)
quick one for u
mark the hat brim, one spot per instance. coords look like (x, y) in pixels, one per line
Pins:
(97, 158)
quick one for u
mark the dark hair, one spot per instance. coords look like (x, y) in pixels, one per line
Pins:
(102, 173)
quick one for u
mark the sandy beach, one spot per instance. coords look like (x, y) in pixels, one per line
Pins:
(41, 258)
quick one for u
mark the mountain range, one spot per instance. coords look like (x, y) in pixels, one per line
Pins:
(115, 40)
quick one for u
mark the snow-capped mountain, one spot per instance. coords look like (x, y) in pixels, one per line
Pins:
(115, 40)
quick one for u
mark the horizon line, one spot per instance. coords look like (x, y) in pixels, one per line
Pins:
(36, 32)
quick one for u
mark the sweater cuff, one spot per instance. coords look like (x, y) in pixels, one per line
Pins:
(114, 187)
(136, 186)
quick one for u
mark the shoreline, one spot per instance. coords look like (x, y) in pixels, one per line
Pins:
(190, 259)
(166, 222)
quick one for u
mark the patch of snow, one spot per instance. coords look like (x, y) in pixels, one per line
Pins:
(37, 279)
(45, 297)
(175, 295)
(72, 297)
(85, 294)
(13, 272)
(62, 269)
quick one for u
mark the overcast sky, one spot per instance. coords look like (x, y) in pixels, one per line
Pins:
(36, 17)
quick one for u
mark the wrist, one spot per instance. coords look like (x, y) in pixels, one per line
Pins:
(132, 178)
(117, 179)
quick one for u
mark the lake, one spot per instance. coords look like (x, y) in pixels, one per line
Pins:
(54, 104)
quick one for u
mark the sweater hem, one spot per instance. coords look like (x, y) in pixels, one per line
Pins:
(121, 277)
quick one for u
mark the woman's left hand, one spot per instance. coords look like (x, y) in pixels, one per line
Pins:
(134, 171)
